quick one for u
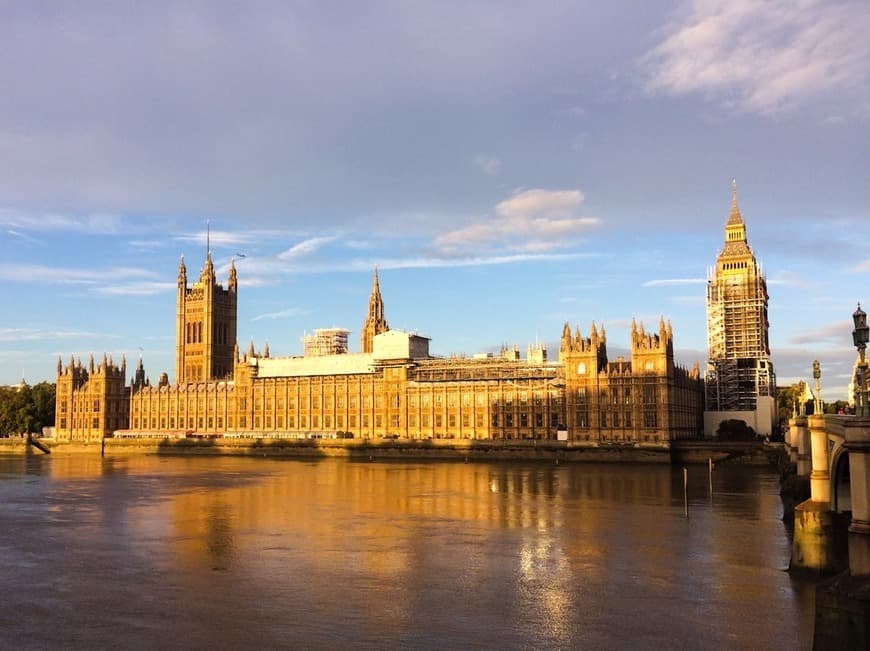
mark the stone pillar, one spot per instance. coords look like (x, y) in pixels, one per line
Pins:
(858, 445)
(820, 478)
(801, 441)
(817, 547)
(843, 602)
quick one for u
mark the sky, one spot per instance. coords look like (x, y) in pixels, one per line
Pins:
(509, 166)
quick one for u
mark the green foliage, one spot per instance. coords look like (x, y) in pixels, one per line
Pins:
(735, 430)
(27, 409)
(786, 397)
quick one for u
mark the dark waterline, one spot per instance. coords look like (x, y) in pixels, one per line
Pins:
(148, 552)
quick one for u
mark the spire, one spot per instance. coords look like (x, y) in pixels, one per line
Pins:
(735, 217)
(59, 365)
(375, 322)
(233, 278)
(208, 239)
(266, 350)
(182, 272)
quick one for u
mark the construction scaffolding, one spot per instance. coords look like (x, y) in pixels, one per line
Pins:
(739, 370)
(325, 341)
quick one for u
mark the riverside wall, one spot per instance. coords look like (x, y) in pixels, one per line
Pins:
(681, 452)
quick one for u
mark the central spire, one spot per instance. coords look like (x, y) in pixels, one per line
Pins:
(375, 322)
(735, 217)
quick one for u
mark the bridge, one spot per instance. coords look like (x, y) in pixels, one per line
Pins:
(832, 528)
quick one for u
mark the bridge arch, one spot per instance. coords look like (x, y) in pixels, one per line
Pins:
(841, 483)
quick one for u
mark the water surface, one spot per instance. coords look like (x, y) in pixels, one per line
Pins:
(148, 552)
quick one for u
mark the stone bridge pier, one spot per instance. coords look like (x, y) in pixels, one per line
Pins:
(832, 528)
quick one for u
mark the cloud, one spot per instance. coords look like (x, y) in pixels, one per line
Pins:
(305, 247)
(281, 314)
(489, 165)
(837, 334)
(42, 334)
(670, 282)
(229, 238)
(144, 288)
(765, 56)
(862, 267)
(65, 275)
(531, 221)
(536, 203)
(53, 222)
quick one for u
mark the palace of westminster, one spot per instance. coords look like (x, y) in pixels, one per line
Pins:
(393, 387)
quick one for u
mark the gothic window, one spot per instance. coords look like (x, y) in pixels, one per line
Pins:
(508, 420)
(524, 420)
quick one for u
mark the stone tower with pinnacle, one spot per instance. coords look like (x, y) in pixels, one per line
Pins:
(375, 322)
(740, 377)
(205, 325)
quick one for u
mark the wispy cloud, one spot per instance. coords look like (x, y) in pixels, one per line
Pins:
(54, 222)
(305, 247)
(862, 267)
(671, 282)
(66, 275)
(281, 314)
(765, 56)
(226, 238)
(43, 334)
(531, 221)
(23, 236)
(489, 165)
(141, 288)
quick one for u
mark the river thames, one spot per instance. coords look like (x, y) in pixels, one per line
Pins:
(194, 552)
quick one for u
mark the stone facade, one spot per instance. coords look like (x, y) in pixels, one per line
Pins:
(93, 401)
(397, 389)
(205, 325)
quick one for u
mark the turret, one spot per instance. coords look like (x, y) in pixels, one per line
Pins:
(182, 274)
(233, 279)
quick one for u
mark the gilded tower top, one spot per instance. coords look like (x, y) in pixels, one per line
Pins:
(735, 230)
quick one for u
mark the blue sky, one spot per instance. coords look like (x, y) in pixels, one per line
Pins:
(509, 166)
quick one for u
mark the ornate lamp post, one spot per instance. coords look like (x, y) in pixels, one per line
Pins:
(818, 407)
(860, 336)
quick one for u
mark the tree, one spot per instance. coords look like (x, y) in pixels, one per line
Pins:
(26, 409)
(734, 429)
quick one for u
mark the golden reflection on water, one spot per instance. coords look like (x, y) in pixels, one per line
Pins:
(550, 555)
